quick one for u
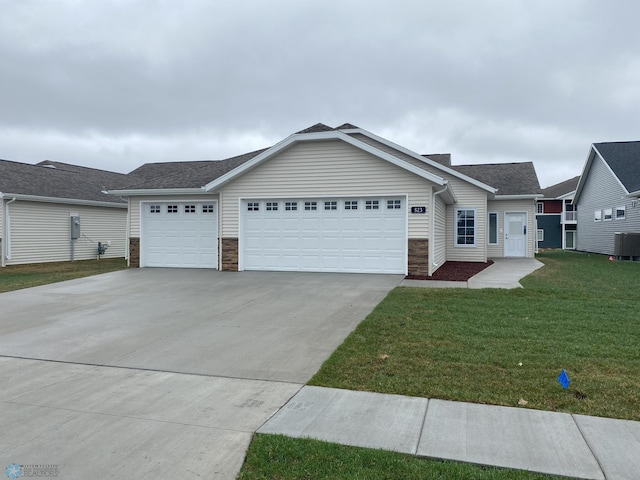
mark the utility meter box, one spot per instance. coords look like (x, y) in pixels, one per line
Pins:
(75, 227)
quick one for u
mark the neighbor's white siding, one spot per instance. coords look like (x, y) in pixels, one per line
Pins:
(41, 232)
(326, 168)
(134, 207)
(502, 206)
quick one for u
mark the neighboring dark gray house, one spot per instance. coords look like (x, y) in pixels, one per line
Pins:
(37, 203)
(608, 196)
(556, 216)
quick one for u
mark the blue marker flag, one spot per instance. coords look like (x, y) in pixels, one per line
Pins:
(564, 379)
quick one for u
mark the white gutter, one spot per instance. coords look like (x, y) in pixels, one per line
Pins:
(74, 201)
(529, 196)
(157, 191)
(432, 240)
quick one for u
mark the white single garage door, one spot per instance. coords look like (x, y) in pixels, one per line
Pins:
(179, 234)
(363, 235)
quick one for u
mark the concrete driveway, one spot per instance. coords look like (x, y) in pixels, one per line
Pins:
(163, 373)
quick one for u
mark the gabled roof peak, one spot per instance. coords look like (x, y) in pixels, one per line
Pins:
(318, 127)
(321, 127)
(347, 126)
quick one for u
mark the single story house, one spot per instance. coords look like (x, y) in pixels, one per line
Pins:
(54, 211)
(556, 216)
(330, 200)
(608, 197)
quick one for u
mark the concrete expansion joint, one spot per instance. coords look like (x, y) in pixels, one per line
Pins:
(589, 446)
(142, 369)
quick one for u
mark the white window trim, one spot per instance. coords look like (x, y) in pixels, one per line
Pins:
(624, 214)
(497, 242)
(475, 229)
(597, 215)
(539, 208)
(540, 235)
(605, 214)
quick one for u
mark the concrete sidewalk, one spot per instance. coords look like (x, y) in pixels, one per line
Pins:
(504, 273)
(546, 442)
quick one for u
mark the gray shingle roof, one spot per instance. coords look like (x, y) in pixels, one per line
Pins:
(186, 174)
(507, 178)
(562, 188)
(624, 160)
(71, 182)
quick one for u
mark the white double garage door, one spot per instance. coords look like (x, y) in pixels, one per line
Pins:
(365, 235)
(359, 235)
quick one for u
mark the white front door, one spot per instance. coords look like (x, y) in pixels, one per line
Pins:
(515, 236)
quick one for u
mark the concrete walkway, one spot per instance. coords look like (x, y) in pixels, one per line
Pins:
(547, 442)
(504, 273)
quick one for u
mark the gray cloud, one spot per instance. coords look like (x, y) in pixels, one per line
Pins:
(116, 84)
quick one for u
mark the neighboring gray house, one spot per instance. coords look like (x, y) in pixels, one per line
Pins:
(608, 195)
(330, 200)
(37, 203)
(556, 216)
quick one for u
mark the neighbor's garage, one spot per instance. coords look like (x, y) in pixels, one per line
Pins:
(359, 235)
(179, 234)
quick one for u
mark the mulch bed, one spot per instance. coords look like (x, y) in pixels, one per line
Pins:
(455, 271)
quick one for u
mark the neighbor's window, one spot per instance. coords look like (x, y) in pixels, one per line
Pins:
(539, 207)
(608, 214)
(493, 228)
(597, 216)
(621, 213)
(465, 227)
(540, 235)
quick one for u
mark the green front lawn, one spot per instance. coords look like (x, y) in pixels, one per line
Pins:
(580, 312)
(15, 277)
(275, 457)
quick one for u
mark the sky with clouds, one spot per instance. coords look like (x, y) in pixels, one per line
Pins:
(118, 83)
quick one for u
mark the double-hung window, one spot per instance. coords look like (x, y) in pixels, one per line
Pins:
(465, 227)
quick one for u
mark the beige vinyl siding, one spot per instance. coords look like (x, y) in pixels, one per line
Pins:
(41, 232)
(134, 207)
(440, 234)
(468, 197)
(322, 169)
(502, 206)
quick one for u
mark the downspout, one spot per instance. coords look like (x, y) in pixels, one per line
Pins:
(7, 230)
(432, 234)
